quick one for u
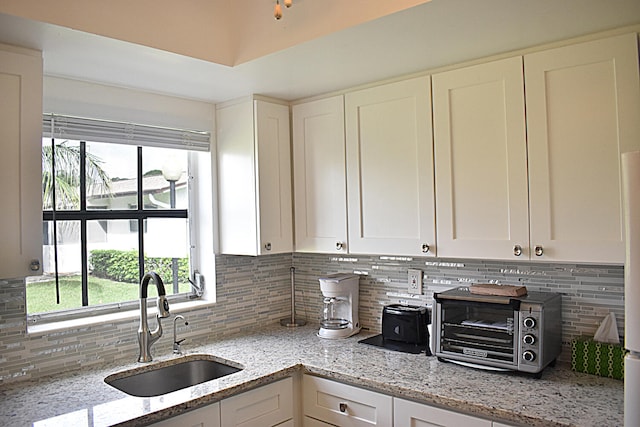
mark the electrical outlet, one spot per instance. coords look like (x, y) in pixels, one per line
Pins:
(414, 281)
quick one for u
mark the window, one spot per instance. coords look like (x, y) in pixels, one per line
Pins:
(116, 203)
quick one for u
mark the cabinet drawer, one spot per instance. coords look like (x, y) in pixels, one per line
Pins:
(208, 416)
(344, 405)
(269, 405)
(312, 422)
(407, 413)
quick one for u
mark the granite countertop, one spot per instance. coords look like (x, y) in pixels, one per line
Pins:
(560, 398)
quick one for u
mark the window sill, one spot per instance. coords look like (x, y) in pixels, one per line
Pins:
(44, 328)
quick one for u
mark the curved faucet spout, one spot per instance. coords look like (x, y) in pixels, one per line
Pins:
(146, 338)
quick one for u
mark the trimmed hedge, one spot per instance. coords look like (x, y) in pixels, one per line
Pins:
(122, 266)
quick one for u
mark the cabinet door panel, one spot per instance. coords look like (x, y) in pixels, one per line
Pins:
(254, 178)
(481, 161)
(389, 168)
(583, 104)
(320, 176)
(407, 413)
(238, 213)
(344, 405)
(20, 163)
(208, 416)
(274, 177)
(269, 405)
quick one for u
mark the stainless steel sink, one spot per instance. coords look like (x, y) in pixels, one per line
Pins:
(165, 377)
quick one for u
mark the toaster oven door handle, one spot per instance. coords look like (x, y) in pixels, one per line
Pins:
(480, 300)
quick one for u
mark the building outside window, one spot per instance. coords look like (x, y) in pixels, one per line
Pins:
(116, 204)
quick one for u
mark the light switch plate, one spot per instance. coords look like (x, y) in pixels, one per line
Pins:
(414, 280)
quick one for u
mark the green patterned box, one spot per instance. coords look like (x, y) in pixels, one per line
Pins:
(592, 357)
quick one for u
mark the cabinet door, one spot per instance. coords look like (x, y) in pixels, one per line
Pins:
(208, 416)
(254, 178)
(274, 177)
(390, 169)
(344, 405)
(582, 113)
(269, 405)
(481, 161)
(407, 413)
(319, 176)
(21, 162)
(237, 208)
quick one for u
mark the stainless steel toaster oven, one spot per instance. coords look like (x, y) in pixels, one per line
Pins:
(509, 333)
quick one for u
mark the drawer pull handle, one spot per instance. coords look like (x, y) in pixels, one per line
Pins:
(517, 250)
(538, 250)
(425, 248)
(339, 246)
(267, 246)
(343, 407)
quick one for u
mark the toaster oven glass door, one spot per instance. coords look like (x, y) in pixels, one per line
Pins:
(479, 330)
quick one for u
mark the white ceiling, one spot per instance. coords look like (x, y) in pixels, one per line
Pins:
(433, 34)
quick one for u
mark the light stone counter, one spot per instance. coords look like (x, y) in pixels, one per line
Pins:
(560, 398)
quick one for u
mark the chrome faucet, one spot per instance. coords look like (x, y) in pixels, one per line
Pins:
(146, 338)
(176, 341)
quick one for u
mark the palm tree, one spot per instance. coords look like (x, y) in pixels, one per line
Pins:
(67, 166)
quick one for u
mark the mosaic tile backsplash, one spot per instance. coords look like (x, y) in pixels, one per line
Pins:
(254, 291)
(589, 292)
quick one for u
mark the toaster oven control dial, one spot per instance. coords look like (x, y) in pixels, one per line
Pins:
(529, 356)
(529, 339)
(529, 322)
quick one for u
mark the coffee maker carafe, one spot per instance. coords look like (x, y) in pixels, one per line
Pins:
(340, 306)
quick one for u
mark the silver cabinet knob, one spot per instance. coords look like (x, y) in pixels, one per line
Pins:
(267, 246)
(34, 265)
(339, 246)
(343, 407)
(517, 250)
(425, 248)
(538, 250)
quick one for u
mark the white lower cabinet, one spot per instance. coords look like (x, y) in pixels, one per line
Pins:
(343, 405)
(407, 413)
(325, 403)
(270, 405)
(208, 416)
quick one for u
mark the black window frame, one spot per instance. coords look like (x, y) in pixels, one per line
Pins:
(83, 215)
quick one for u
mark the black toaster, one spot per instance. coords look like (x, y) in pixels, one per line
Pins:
(406, 323)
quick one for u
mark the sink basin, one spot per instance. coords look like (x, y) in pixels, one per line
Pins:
(165, 377)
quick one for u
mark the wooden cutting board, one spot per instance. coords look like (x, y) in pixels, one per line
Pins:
(494, 289)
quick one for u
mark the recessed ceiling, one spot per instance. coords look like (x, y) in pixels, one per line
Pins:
(423, 37)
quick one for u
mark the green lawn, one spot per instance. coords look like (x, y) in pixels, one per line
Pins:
(41, 296)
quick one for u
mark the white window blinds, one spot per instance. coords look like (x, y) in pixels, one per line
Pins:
(78, 128)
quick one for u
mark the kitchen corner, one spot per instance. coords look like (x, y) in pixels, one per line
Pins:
(560, 398)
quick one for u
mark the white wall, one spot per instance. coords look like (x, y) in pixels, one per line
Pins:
(85, 99)
(226, 32)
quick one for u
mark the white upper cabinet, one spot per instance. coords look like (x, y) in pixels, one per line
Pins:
(21, 162)
(320, 176)
(583, 111)
(254, 178)
(390, 169)
(481, 161)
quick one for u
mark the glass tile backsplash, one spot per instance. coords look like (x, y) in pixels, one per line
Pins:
(254, 291)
